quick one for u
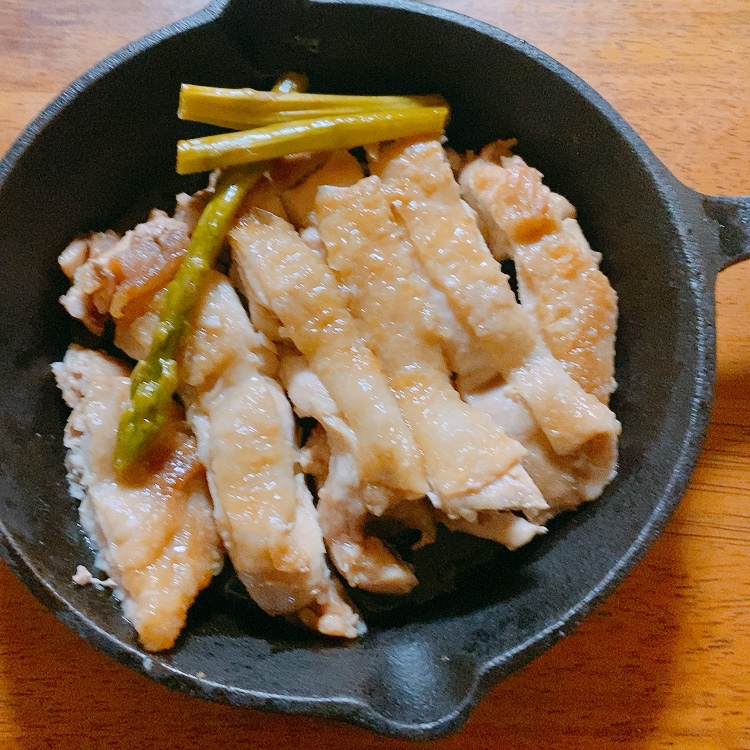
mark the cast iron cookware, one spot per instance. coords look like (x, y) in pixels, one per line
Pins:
(103, 152)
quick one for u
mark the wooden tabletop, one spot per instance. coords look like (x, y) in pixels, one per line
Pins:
(665, 662)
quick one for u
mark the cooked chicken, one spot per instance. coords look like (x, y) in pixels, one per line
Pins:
(245, 432)
(241, 418)
(343, 495)
(340, 170)
(153, 529)
(283, 274)
(439, 398)
(265, 194)
(564, 481)
(467, 458)
(507, 529)
(283, 186)
(559, 280)
(114, 275)
(445, 235)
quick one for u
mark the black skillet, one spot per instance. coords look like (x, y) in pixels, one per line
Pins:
(103, 152)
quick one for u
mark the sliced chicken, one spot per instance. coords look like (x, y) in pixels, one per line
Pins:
(508, 529)
(343, 495)
(114, 275)
(245, 432)
(287, 189)
(564, 481)
(153, 529)
(283, 274)
(559, 280)
(469, 461)
(444, 233)
(265, 194)
(340, 170)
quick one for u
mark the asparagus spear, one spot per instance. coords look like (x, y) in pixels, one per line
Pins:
(318, 134)
(154, 380)
(240, 109)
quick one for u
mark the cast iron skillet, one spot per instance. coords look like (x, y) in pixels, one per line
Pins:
(103, 152)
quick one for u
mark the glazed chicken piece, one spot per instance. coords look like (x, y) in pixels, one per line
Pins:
(559, 280)
(568, 464)
(471, 465)
(565, 481)
(444, 233)
(284, 275)
(245, 432)
(508, 529)
(283, 174)
(153, 529)
(349, 490)
(109, 274)
(288, 189)
(82, 263)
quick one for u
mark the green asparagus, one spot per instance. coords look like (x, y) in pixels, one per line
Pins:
(319, 134)
(154, 380)
(241, 109)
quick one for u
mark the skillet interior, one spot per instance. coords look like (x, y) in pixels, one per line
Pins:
(107, 155)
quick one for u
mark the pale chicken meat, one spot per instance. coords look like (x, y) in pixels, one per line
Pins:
(375, 307)
(246, 440)
(471, 465)
(444, 233)
(266, 195)
(283, 274)
(153, 528)
(340, 170)
(508, 529)
(343, 495)
(282, 175)
(112, 276)
(470, 363)
(240, 415)
(564, 481)
(559, 280)
(288, 188)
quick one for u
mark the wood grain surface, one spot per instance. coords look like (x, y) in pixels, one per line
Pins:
(665, 662)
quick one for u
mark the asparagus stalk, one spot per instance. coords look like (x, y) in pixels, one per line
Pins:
(154, 380)
(318, 134)
(240, 109)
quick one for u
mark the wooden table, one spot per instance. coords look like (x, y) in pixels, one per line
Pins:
(665, 662)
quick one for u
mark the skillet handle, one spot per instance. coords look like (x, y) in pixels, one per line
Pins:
(733, 218)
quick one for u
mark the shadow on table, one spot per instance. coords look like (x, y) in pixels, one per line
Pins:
(607, 683)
